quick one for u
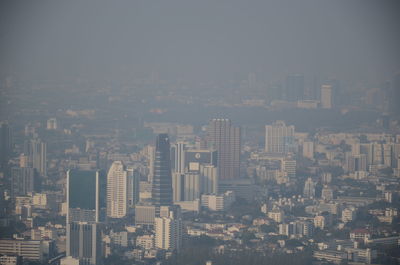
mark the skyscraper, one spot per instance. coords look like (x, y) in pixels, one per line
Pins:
(36, 150)
(326, 96)
(22, 181)
(5, 144)
(168, 229)
(279, 138)
(117, 190)
(162, 180)
(179, 157)
(85, 201)
(84, 242)
(85, 195)
(225, 138)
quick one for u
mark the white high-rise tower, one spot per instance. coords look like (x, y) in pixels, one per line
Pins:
(117, 190)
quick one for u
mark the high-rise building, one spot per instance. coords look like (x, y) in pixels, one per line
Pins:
(162, 180)
(117, 190)
(225, 138)
(5, 144)
(179, 157)
(86, 191)
(169, 232)
(294, 87)
(22, 181)
(209, 177)
(279, 138)
(195, 158)
(133, 187)
(84, 242)
(326, 96)
(36, 150)
(309, 188)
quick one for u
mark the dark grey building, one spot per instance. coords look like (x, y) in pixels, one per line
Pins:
(162, 180)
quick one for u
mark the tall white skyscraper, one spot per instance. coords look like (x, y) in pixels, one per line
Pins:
(279, 138)
(117, 190)
(179, 157)
(169, 232)
(326, 96)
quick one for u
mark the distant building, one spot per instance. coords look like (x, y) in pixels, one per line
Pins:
(218, 202)
(225, 138)
(52, 124)
(86, 192)
(348, 214)
(36, 150)
(22, 181)
(29, 250)
(168, 232)
(162, 180)
(309, 188)
(5, 144)
(279, 138)
(326, 96)
(84, 242)
(117, 190)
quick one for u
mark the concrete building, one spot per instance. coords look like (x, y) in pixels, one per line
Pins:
(326, 96)
(225, 138)
(218, 202)
(117, 190)
(279, 138)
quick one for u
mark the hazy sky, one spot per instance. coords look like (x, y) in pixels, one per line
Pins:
(204, 39)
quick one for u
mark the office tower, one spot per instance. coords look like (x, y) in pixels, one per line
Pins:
(36, 150)
(133, 187)
(279, 138)
(192, 186)
(209, 177)
(5, 144)
(117, 190)
(84, 242)
(309, 188)
(22, 181)
(86, 192)
(326, 96)
(169, 231)
(178, 152)
(225, 138)
(151, 153)
(294, 87)
(178, 185)
(194, 158)
(162, 180)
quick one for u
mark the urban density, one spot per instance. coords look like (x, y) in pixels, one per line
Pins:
(153, 167)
